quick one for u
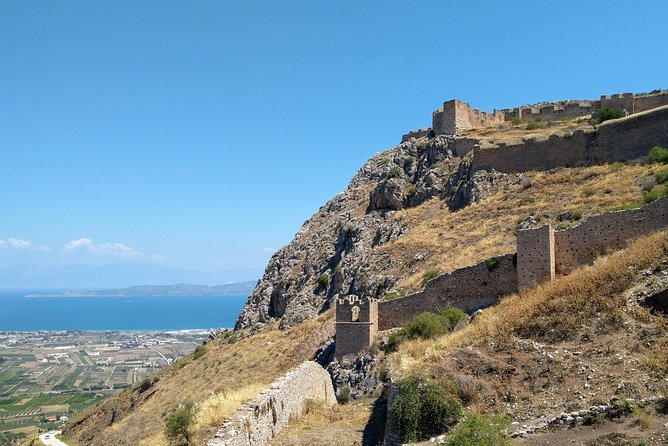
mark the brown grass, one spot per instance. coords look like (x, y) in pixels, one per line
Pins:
(551, 312)
(508, 130)
(218, 382)
(487, 228)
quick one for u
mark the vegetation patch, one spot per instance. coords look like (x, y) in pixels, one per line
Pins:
(480, 430)
(427, 325)
(423, 408)
(658, 155)
(607, 113)
(178, 424)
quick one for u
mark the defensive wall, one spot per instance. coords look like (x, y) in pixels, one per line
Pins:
(469, 289)
(259, 420)
(616, 140)
(542, 255)
(456, 116)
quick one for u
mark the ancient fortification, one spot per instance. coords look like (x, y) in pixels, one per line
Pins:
(542, 255)
(457, 116)
(259, 420)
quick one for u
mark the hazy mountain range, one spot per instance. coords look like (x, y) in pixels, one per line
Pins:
(181, 289)
(114, 276)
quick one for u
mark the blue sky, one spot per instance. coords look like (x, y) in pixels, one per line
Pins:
(200, 135)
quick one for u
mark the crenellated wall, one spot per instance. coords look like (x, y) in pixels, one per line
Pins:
(259, 420)
(618, 140)
(469, 289)
(356, 324)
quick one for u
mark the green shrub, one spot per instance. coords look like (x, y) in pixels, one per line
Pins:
(411, 192)
(480, 430)
(537, 124)
(606, 113)
(453, 316)
(323, 280)
(199, 352)
(492, 264)
(177, 425)
(423, 408)
(517, 121)
(395, 171)
(658, 155)
(662, 406)
(343, 394)
(662, 176)
(654, 194)
(408, 161)
(145, 385)
(430, 274)
(426, 325)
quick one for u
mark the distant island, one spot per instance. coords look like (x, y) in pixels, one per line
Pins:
(180, 289)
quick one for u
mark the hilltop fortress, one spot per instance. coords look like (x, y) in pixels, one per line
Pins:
(541, 254)
(457, 116)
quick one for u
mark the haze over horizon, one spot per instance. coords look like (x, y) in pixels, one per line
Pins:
(199, 137)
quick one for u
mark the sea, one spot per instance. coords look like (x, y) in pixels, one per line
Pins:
(137, 313)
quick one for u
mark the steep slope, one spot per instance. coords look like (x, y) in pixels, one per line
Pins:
(217, 378)
(419, 209)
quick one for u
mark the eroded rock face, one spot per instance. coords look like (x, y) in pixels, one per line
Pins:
(332, 254)
(360, 375)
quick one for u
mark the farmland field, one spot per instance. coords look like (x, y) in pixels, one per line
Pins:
(45, 377)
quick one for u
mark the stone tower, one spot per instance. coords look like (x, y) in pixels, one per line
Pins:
(356, 324)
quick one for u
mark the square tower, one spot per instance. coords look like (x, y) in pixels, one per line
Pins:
(535, 257)
(356, 324)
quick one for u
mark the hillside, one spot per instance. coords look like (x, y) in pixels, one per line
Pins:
(409, 214)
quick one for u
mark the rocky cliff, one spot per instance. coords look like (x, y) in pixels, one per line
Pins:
(336, 250)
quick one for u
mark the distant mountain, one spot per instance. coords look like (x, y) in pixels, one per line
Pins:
(114, 276)
(181, 289)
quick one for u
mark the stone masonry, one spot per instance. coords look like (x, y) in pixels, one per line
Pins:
(542, 255)
(456, 116)
(259, 420)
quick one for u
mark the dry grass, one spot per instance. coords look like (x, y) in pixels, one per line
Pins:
(208, 382)
(508, 130)
(487, 228)
(551, 312)
(215, 409)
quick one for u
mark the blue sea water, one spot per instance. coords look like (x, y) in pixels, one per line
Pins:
(20, 313)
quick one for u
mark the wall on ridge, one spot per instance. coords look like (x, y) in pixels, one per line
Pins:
(468, 289)
(648, 102)
(600, 234)
(618, 140)
(259, 420)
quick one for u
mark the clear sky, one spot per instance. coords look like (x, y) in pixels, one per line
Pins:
(201, 135)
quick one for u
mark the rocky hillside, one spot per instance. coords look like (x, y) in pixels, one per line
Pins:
(371, 239)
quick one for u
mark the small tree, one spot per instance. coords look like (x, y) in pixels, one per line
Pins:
(658, 155)
(606, 113)
(177, 425)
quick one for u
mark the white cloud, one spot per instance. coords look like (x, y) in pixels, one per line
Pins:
(76, 244)
(111, 249)
(19, 243)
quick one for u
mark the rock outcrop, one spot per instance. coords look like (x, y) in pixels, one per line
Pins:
(334, 251)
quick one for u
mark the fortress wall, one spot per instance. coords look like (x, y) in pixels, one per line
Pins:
(599, 234)
(644, 103)
(533, 154)
(468, 288)
(558, 110)
(535, 257)
(622, 101)
(463, 146)
(417, 134)
(356, 324)
(259, 420)
(619, 140)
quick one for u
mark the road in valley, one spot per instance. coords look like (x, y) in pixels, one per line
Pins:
(52, 440)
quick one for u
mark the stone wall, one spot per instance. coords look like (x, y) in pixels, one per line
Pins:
(535, 257)
(618, 140)
(623, 101)
(468, 288)
(456, 116)
(417, 134)
(259, 420)
(648, 102)
(600, 234)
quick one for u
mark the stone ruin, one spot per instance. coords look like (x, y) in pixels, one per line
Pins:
(457, 116)
(543, 254)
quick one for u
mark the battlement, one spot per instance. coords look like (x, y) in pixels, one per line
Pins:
(457, 116)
